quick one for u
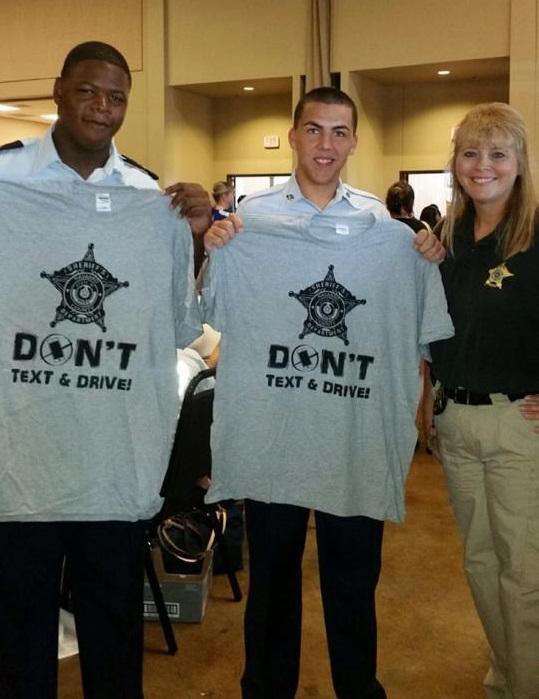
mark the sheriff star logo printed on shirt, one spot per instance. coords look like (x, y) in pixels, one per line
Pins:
(327, 303)
(84, 285)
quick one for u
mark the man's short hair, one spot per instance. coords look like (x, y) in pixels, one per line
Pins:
(326, 95)
(95, 51)
(400, 198)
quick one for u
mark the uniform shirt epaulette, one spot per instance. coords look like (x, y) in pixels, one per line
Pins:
(134, 163)
(263, 193)
(12, 146)
(361, 193)
(257, 195)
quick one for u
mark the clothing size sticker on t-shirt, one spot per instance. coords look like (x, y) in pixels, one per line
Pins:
(103, 202)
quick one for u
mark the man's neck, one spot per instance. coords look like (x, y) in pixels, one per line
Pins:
(318, 194)
(84, 162)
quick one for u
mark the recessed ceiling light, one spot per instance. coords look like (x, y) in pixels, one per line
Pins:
(248, 88)
(49, 117)
(8, 108)
(444, 72)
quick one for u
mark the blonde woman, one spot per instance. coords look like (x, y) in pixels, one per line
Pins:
(487, 437)
(223, 196)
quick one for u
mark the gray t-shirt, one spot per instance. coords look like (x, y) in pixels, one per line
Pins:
(96, 293)
(324, 323)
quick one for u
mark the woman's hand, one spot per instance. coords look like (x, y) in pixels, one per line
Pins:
(530, 409)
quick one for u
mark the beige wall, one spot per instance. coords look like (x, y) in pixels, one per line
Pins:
(405, 127)
(215, 41)
(239, 127)
(417, 131)
(15, 129)
(35, 35)
(208, 138)
(153, 106)
(409, 127)
(189, 138)
(177, 42)
(374, 34)
(524, 87)
(365, 167)
(131, 139)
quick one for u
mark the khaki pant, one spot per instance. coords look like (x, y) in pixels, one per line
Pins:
(491, 462)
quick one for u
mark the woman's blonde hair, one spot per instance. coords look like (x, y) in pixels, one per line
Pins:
(483, 124)
(221, 188)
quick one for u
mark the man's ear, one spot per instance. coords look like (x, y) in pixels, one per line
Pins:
(292, 138)
(57, 91)
(353, 150)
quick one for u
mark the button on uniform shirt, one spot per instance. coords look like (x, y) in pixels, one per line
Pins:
(38, 160)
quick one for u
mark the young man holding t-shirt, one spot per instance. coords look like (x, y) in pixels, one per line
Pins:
(88, 360)
(326, 311)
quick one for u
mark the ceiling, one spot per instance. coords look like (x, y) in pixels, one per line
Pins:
(480, 69)
(234, 88)
(493, 68)
(30, 110)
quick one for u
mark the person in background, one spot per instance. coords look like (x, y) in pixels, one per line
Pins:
(487, 403)
(400, 204)
(223, 196)
(431, 215)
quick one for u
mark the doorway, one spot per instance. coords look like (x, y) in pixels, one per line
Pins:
(430, 187)
(249, 184)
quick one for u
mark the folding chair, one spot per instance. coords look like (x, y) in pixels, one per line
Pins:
(157, 593)
(179, 489)
(191, 460)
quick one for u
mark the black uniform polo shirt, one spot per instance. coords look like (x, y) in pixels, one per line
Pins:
(496, 344)
(415, 224)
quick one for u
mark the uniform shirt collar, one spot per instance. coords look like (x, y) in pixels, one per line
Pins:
(464, 233)
(292, 193)
(48, 157)
(47, 154)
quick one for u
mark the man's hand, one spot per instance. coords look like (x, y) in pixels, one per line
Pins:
(429, 246)
(193, 203)
(222, 232)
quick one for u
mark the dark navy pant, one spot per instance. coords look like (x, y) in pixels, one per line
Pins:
(105, 566)
(349, 554)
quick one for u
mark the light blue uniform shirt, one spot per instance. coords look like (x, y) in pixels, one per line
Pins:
(38, 160)
(289, 199)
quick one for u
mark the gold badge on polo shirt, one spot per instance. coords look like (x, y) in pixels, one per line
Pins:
(496, 275)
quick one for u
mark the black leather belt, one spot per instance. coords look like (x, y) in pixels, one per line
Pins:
(465, 397)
